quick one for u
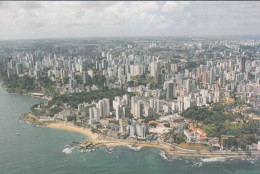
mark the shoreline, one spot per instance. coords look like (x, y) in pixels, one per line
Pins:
(94, 138)
(72, 128)
(27, 94)
(169, 151)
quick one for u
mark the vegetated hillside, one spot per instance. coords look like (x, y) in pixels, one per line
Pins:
(57, 103)
(216, 122)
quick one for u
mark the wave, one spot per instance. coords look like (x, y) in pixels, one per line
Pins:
(162, 154)
(196, 165)
(67, 150)
(213, 159)
(136, 148)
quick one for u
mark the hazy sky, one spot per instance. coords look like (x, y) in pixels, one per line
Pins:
(32, 20)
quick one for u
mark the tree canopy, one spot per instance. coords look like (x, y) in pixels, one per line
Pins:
(76, 98)
(216, 122)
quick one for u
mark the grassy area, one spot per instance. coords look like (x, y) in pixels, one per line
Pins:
(194, 146)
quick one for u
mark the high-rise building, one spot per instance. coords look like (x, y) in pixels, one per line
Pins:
(169, 88)
(37, 74)
(71, 83)
(118, 112)
(157, 67)
(107, 107)
(132, 130)
(198, 72)
(222, 80)
(142, 131)
(126, 99)
(19, 68)
(10, 72)
(140, 108)
(85, 77)
(179, 79)
(134, 100)
(158, 78)
(72, 75)
(204, 77)
(101, 108)
(63, 74)
(243, 64)
(212, 75)
(188, 83)
(152, 69)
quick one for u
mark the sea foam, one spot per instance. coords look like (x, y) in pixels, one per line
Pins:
(213, 159)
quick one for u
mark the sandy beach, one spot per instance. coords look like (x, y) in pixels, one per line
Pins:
(69, 127)
(93, 137)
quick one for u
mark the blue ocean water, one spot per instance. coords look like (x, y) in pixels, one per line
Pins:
(38, 150)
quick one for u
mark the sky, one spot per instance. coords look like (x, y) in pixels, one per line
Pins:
(38, 20)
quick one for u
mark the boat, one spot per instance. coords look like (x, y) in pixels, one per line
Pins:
(17, 133)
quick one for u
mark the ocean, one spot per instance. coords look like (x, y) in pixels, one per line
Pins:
(38, 150)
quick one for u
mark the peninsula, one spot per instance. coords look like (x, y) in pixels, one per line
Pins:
(204, 105)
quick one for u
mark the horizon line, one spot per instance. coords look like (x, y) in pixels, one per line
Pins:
(107, 37)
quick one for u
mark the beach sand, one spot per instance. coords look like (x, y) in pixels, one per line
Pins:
(94, 138)
(69, 127)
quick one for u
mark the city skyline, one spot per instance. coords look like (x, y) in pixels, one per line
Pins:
(42, 20)
(129, 87)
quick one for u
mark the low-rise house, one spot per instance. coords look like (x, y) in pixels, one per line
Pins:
(253, 147)
(190, 136)
(195, 134)
(45, 118)
(201, 135)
